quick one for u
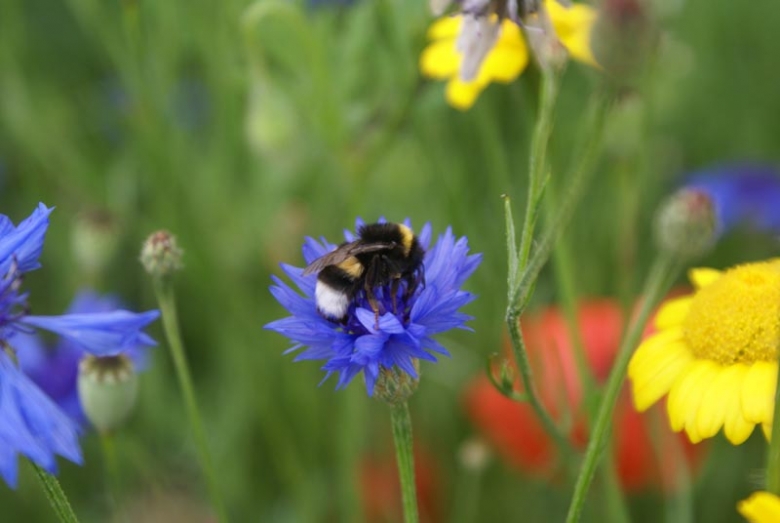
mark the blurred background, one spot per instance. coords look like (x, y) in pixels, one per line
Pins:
(243, 127)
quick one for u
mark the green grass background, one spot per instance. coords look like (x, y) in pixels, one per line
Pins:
(243, 127)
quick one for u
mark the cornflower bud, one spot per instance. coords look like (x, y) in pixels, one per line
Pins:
(160, 255)
(395, 385)
(108, 389)
(94, 240)
(686, 223)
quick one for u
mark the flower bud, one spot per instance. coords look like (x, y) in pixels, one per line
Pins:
(94, 240)
(160, 255)
(623, 38)
(108, 388)
(395, 385)
(686, 224)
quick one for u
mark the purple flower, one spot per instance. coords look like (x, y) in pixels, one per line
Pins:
(55, 369)
(30, 423)
(400, 337)
(742, 194)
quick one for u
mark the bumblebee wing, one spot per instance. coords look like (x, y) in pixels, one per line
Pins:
(342, 252)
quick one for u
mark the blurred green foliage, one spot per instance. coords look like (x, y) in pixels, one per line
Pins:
(243, 127)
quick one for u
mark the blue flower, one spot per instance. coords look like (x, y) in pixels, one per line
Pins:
(400, 337)
(55, 369)
(742, 194)
(30, 423)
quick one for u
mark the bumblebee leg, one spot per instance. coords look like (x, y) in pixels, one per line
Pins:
(369, 290)
(394, 293)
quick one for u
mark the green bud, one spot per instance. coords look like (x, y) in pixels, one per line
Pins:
(686, 224)
(94, 240)
(507, 375)
(108, 389)
(395, 385)
(160, 255)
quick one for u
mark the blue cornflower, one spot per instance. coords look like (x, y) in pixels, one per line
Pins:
(741, 194)
(402, 335)
(55, 369)
(30, 423)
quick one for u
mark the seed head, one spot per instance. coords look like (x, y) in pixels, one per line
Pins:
(160, 255)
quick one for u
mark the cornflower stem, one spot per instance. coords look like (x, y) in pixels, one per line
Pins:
(166, 298)
(773, 455)
(108, 447)
(402, 436)
(658, 282)
(56, 496)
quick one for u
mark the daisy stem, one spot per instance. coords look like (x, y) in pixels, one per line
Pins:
(658, 282)
(55, 494)
(165, 297)
(773, 455)
(402, 436)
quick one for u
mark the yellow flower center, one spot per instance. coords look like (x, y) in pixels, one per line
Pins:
(736, 318)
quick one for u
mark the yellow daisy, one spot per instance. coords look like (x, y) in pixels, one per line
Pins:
(442, 60)
(760, 507)
(715, 354)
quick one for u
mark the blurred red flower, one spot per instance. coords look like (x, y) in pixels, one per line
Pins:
(647, 453)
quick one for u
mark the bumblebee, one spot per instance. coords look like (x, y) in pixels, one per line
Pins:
(383, 254)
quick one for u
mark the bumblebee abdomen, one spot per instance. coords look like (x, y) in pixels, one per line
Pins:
(336, 287)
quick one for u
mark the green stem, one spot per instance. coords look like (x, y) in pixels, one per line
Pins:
(657, 284)
(578, 182)
(166, 298)
(107, 445)
(538, 160)
(402, 436)
(773, 455)
(524, 366)
(55, 495)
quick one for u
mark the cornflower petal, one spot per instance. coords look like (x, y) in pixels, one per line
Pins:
(102, 333)
(32, 425)
(22, 245)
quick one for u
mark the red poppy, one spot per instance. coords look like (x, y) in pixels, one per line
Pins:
(646, 451)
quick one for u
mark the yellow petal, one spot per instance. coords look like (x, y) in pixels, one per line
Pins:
(758, 392)
(447, 27)
(504, 63)
(650, 349)
(760, 507)
(440, 60)
(718, 395)
(673, 312)
(461, 95)
(686, 394)
(573, 26)
(736, 427)
(651, 383)
(703, 276)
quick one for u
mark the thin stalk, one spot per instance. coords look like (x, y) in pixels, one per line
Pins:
(402, 436)
(577, 183)
(55, 494)
(108, 447)
(656, 285)
(773, 454)
(537, 168)
(524, 366)
(166, 299)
